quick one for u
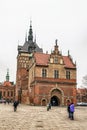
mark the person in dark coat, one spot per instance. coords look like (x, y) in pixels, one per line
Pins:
(48, 106)
(68, 109)
(15, 104)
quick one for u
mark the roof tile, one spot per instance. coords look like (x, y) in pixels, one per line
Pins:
(43, 59)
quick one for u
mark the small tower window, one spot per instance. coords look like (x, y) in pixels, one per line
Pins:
(29, 49)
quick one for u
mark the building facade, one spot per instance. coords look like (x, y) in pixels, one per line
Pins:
(52, 78)
(82, 95)
(44, 78)
(24, 54)
(7, 90)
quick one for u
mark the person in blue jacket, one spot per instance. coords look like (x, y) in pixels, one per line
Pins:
(72, 109)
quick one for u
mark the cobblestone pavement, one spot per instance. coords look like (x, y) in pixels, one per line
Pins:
(38, 118)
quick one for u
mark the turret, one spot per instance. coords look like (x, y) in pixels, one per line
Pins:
(30, 37)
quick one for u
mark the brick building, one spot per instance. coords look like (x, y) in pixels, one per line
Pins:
(7, 89)
(24, 54)
(82, 95)
(44, 78)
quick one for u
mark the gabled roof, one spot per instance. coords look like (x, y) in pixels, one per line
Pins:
(68, 62)
(43, 59)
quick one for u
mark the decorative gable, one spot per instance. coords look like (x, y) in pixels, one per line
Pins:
(54, 58)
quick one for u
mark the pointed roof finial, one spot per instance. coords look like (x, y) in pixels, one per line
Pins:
(30, 37)
(30, 23)
(56, 51)
(68, 53)
(56, 42)
(7, 75)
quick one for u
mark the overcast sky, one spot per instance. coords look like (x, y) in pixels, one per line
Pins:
(65, 20)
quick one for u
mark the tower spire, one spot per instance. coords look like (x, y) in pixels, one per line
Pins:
(7, 75)
(30, 37)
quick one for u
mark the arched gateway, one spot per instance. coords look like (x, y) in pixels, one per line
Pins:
(56, 97)
(55, 101)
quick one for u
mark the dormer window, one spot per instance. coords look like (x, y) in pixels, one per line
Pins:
(56, 60)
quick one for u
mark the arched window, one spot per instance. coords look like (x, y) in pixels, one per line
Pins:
(44, 73)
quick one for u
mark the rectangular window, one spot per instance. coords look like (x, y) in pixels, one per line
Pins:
(8, 93)
(67, 74)
(44, 72)
(11, 93)
(4, 93)
(56, 74)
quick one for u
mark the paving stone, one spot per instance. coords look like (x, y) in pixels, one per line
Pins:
(38, 118)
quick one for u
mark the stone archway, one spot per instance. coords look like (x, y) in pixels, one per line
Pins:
(56, 95)
(55, 101)
(43, 102)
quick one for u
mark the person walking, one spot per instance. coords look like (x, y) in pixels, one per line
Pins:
(72, 109)
(68, 108)
(48, 106)
(15, 104)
